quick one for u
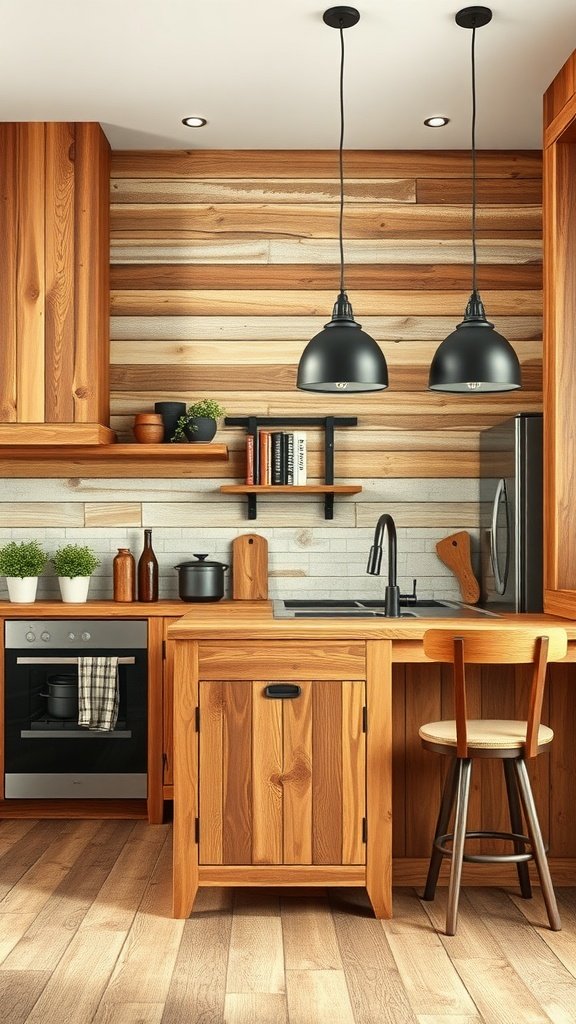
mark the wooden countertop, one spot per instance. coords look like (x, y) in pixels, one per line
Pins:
(254, 620)
(95, 609)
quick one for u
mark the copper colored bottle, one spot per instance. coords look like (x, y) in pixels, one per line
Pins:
(147, 571)
(124, 569)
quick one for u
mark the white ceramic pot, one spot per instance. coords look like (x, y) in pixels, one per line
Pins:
(22, 589)
(74, 589)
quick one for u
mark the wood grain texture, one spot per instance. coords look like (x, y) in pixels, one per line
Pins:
(55, 216)
(454, 551)
(60, 326)
(249, 567)
(353, 773)
(297, 772)
(185, 850)
(267, 778)
(9, 277)
(30, 295)
(321, 163)
(326, 774)
(379, 767)
(324, 955)
(237, 797)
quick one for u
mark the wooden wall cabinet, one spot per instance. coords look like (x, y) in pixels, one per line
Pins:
(54, 285)
(560, 343)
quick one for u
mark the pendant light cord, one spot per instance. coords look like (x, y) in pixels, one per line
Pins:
(341, 160)
(473, 161)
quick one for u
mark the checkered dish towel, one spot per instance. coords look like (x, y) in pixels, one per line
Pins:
(98, 696)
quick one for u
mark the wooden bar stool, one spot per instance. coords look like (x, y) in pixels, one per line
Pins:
(512, 741)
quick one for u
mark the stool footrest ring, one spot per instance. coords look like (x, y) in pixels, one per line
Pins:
(488, 858)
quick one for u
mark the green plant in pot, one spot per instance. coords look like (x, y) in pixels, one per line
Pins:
(21, 564)
(199, 421)
(74, 565)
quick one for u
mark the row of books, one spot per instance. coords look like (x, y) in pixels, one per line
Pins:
(276, 457)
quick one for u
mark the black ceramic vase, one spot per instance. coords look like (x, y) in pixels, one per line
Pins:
(170, 413)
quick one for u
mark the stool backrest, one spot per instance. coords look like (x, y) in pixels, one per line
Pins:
(514, 646)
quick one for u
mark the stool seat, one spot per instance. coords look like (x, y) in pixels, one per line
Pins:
(486, 734)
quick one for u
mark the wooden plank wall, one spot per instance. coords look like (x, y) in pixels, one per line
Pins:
(225, 265)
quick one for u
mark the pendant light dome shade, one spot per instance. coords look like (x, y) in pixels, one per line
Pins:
(342, 357)
(474, 357)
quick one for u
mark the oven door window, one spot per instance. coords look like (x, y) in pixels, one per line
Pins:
(41, 721)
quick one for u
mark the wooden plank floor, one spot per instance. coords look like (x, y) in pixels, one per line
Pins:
(86, 938)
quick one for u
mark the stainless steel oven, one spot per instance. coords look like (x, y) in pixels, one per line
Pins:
(47, 754)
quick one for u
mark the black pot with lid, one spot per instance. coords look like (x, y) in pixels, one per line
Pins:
(62, 696)
(202, 580)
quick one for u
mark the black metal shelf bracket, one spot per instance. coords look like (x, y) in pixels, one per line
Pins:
(328, 423)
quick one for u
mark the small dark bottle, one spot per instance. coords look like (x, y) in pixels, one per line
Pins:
(147, 571)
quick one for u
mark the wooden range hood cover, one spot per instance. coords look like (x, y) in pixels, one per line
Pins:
(54, 287)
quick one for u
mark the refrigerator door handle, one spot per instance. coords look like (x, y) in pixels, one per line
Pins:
(500, 580)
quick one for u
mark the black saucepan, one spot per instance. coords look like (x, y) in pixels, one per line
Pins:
(202, 580)
(62, 696)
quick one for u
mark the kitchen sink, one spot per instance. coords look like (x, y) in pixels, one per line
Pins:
(367, 609)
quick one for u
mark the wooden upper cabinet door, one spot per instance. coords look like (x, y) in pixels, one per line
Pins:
(560, 344)
(54, 287)
(282, 779)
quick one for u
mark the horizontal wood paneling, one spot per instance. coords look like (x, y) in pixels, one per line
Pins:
(256, 377)
(243, 163)
(447, 277)
(300, 328)
(312, 303)
(321, 221)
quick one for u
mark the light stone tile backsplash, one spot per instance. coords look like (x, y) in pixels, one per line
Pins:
(308, 557)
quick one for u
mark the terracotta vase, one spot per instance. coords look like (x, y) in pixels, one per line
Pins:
(148, 428)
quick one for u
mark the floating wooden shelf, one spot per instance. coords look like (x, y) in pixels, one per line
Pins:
(116, 451)
(291, 489)
(114, 460)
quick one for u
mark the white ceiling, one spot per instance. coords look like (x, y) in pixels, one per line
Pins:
(265, 73)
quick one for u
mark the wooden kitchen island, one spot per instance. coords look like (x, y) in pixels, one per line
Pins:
(286, 747)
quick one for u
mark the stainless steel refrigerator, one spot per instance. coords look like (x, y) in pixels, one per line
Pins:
(511, 497)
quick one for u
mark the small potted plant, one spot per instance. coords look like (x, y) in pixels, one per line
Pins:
(198, 423)
(21, 564)
(74, 565)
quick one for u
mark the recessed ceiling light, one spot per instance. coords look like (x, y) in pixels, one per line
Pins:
(194, 122)
(436, 122)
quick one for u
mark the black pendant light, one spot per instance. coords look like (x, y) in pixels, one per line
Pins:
(474, 358)
(342, 357)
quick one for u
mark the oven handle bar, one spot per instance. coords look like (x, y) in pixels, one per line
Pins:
(74, 734)
(65, 661)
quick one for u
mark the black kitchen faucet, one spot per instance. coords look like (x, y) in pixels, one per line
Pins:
(392, 592)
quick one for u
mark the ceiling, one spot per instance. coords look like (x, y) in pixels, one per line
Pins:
(265, 73)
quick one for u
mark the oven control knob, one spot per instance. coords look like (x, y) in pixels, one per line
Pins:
(45, 636)
(86, 636)
(71, 636)
(30, 636)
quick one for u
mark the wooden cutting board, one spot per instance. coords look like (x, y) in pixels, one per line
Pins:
(454, 551)
(250, 568)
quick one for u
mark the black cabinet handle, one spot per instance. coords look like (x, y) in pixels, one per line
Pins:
(282, 691)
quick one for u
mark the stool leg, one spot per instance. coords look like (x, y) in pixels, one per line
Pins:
(464, 772)
(536, 840)
(517, 826)
(446, 804)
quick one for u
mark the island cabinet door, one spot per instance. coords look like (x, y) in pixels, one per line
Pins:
(282, 772)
